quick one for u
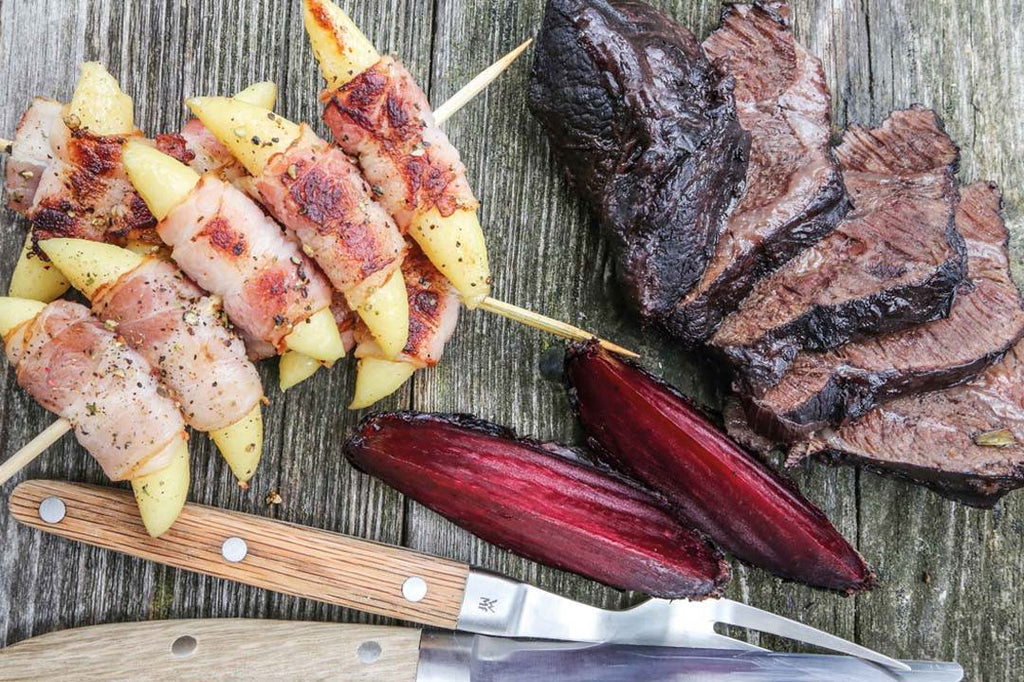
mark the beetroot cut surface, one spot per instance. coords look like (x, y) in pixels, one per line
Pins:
(538, 500)
(644, 428)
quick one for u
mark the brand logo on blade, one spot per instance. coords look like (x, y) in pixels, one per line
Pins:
(487, 605)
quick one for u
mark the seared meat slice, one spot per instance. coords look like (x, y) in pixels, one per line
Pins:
(383, 118)
(225, 242)
(794, 193)
(319, 193)
(966, 442)
(31, 153)
(896, 260)
(85, 192)
(75, 367)
(648, 133)
(180, 331)
(433, 313)
(986, 319)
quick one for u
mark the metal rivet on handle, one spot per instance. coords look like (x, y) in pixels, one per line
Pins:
(414, 588)
(234, 549)
(52, 510)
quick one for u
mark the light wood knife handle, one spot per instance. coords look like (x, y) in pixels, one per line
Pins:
(226, 649)
(279, 556)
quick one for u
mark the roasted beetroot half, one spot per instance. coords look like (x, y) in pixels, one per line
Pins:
(644, 428)
(538, 500)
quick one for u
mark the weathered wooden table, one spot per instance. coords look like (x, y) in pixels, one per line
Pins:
(951, 576)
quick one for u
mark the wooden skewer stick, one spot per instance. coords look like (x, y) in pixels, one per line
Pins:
(33, 449)
(477, 85)
(547, 324)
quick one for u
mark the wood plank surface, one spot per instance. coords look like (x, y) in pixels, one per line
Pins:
(950, 576)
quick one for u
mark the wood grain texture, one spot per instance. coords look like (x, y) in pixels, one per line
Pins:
(222, 649)
(282, 557)
(950, 576)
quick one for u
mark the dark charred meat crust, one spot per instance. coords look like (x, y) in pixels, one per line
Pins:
(539, 500)
(647, 131)
(794, 193)
(896, 261)
(985, 321)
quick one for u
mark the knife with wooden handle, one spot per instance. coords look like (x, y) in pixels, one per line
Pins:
(217, 649)
(390, 581)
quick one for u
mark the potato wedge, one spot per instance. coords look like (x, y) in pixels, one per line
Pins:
(455, 245)
(14, 312)
(162, 495)
(318, 337)
(262, 94)
(252, 134)
(99, 104)
(376, 379)
(162, 181)
(90, 266)
(341, 49)
(294, 368)
(35, 278)
(241, 444)
(386, 314)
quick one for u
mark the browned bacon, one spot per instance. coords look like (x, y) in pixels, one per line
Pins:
(180, 330)
(199, 149)
(318, 194)
(77, 368)
(433, 313)
(384, 119)
(225, 242)
(85, 192)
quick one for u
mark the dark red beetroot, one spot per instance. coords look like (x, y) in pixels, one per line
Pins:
(538, 501)
(646, 429)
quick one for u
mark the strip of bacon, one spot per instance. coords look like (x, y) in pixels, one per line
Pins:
(433, 313)
(172, 323)
(228, 245)
(319, 194)
(384, 119)
(31, 153)
(75, 367)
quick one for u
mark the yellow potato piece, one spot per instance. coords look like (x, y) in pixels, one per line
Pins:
(294, 368)
(161, 495)
(376, 379)
(99, 103)
(89, 265)
(386, 314)
(341, 49)
(318, 337)
(35, 278)
(162, 181)
(262, 94)
(252, 134)
(14, 312)
(455, 245)
(241, 444)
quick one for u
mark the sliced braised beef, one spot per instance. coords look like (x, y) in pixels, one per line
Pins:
(794, 192)
(896, 261)
(986, 319)
(648, 133)
(966, 442)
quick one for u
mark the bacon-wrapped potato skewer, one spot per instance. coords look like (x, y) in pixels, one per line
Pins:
(74, 366)
(221, 239)
(179, 329)
(318, 194)
(99, 111)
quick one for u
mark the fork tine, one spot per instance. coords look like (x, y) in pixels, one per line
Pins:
(731, 612)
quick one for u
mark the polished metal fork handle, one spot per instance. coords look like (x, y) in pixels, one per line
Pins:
(494, 605)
